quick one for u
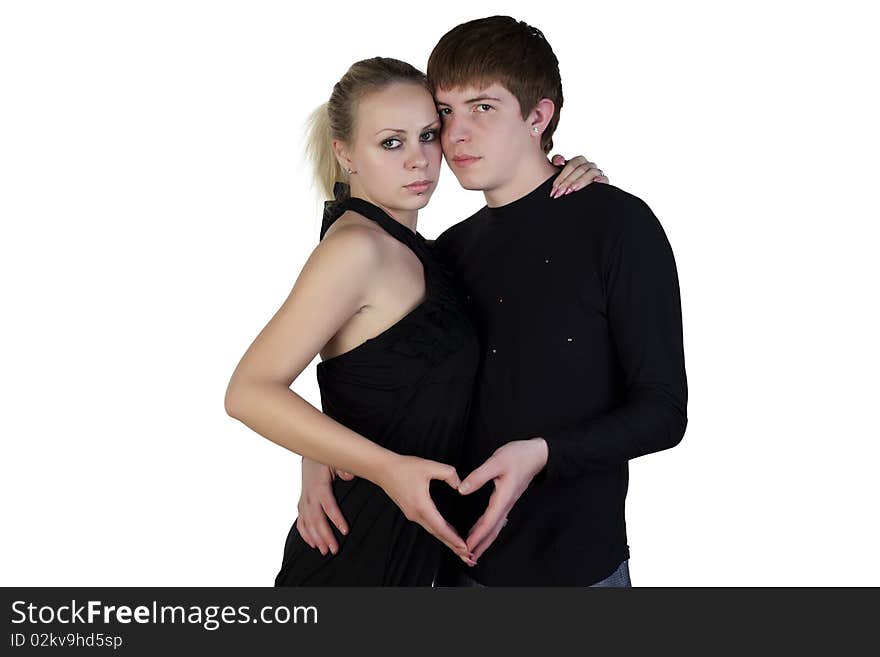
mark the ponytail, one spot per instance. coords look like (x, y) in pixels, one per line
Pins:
(319, 147)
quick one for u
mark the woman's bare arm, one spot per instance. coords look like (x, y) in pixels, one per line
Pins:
(331, 288)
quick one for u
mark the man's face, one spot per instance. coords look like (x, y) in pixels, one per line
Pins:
(483, 134)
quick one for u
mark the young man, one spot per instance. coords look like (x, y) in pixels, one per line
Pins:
(576, 302)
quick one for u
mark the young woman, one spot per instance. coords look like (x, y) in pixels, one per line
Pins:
(399, 354)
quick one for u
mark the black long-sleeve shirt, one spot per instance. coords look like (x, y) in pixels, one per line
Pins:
(576, 303)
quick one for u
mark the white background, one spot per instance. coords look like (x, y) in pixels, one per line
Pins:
(156, 209)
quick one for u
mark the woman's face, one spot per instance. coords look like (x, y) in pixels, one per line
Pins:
(396, 144)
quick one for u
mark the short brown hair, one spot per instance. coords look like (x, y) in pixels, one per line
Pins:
(504, 50)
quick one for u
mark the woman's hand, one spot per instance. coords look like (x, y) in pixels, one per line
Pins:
(316, 504)
(576, 174)
(406, 480)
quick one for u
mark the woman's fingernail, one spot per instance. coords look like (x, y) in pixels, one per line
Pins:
(553, 190)
(568, 191)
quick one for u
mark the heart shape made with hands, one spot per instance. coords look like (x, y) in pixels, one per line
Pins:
(511, 468)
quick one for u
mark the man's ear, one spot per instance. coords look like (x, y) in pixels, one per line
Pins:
(341, 150)
(542, 113)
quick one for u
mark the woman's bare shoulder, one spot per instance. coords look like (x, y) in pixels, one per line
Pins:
(354, 239)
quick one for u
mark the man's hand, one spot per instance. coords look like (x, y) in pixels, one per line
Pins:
(512, 467)
(316, 505)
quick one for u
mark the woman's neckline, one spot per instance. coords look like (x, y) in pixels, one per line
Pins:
(387, 215)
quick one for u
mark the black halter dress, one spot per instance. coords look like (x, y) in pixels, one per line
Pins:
(408, 389)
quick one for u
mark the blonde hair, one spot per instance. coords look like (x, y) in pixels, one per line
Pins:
(335, 119)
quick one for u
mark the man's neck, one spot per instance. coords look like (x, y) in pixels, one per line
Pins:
(530, 173)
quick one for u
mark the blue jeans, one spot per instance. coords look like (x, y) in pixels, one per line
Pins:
(619, 579)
